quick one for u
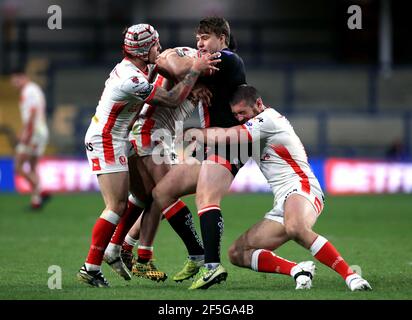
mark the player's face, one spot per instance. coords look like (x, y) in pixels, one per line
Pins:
(244, 112)
(18, 80)
(210, 43)
(154, 52)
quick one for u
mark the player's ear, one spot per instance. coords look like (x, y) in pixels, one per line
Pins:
(259, 102)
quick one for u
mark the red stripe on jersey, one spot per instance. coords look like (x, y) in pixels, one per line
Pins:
(285, 155)
(318, 205)
(159, 80)
(206, 116)
(107, 132)
(133, 142)
(249, 136)
(147, 127)
(149, 123)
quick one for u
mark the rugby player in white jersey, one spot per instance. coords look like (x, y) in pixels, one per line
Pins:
(126, 91)
(152, 138)
(34, 135)
(298, 198)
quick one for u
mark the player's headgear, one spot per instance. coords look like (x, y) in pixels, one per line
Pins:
(138, 40)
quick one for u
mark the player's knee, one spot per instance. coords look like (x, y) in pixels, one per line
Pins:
(157, 194)
(294, 230)
(235, 255)
(118, 206)
(204, 199)
(297, 231)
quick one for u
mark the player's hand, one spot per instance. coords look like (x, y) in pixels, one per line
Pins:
(202, 93)
(206, 63)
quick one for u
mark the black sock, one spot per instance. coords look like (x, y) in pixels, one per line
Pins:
(211, 224)
(182, 223)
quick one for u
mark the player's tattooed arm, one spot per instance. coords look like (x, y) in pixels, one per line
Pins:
(173, 65)
(175, 97)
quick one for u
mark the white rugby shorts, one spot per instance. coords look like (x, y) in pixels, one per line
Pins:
(315, 197)
(35, 146)
(106, 153)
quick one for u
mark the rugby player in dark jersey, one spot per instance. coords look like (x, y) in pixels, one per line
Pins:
(212, 177)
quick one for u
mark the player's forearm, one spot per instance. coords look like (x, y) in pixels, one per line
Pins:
(176, 96)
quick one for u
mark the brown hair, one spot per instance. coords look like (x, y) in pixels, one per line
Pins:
(216, 25)
(246, 93)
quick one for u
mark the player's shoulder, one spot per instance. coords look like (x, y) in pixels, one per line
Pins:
(230, 56)
(129, 76)
(265, 118)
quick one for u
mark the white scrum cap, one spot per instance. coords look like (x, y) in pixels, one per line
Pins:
(138, 40)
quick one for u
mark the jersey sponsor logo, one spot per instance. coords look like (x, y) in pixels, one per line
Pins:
(249, 123)
(89, 146)
(290, 192)
(135, 80)
(122, 160)
(266, 156)
(96, 164)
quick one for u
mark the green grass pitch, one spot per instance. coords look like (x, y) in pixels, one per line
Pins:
(373, 232)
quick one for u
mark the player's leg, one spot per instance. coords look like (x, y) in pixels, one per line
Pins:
(130, 242)
(254, 250)
(265, 235)
(113, 187)
(39, 195)
(300, 216)
(35, 181)
(144, 267)
(214, 182)
(140, 194)
(30, 176)
(179, 181)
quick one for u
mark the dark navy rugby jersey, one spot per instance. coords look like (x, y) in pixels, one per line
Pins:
(223, 85)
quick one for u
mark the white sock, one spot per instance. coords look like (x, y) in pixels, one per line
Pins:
(131, 241)
(113, 250)
(92, 267)
(211, 265)
(255, 259)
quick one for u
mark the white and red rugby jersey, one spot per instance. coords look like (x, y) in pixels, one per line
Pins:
(279, 152)
(32, 99)
(126, 90)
